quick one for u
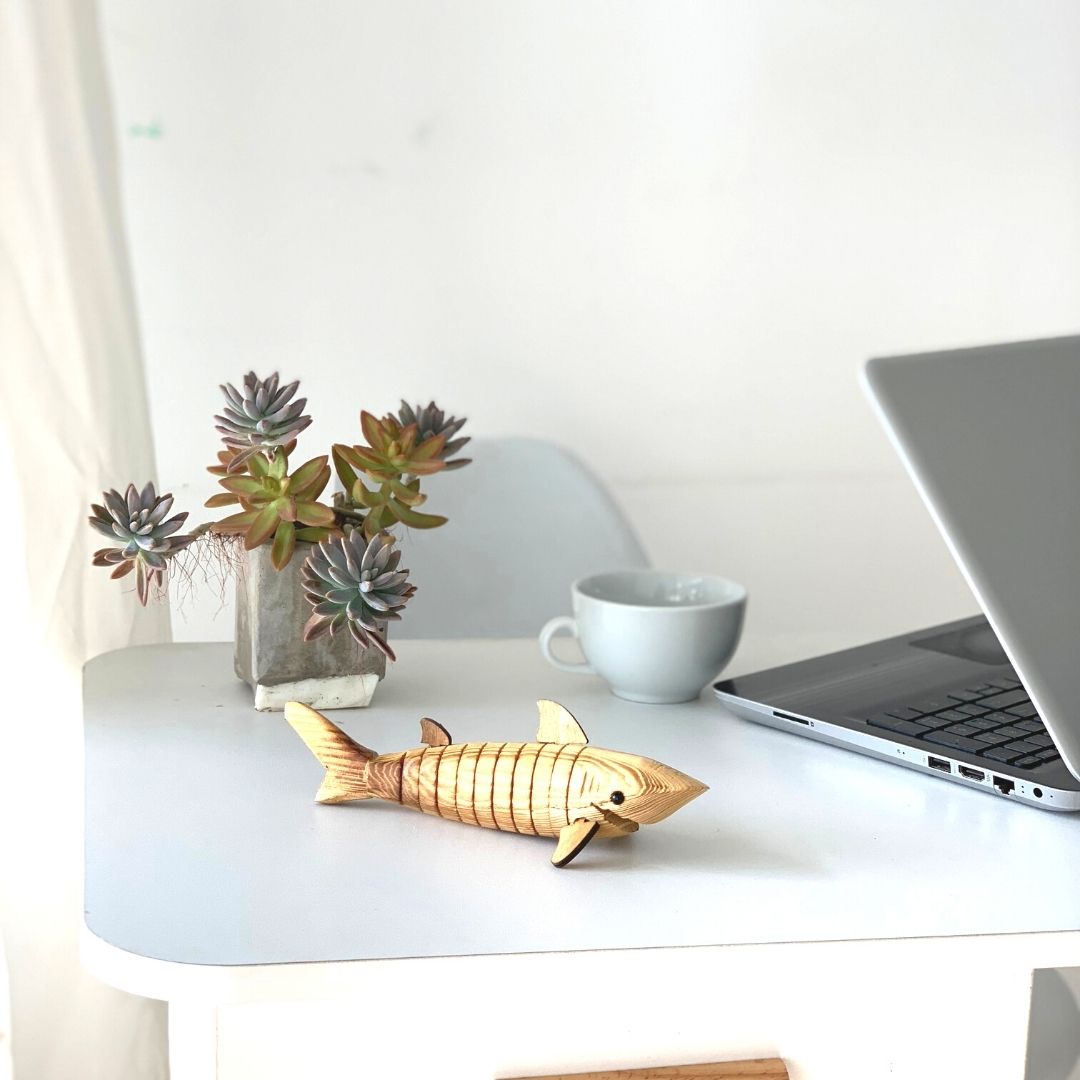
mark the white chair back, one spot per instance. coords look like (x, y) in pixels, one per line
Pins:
(527, 518)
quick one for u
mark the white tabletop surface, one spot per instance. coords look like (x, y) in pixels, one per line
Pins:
(204, 844)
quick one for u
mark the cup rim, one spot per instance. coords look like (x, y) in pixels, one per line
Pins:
(739, 592)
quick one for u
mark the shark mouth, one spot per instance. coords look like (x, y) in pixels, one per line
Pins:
(623, 824)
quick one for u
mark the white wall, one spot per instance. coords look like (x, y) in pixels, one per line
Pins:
(665, 234)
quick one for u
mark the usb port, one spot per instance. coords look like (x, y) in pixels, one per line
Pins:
(939, 763)
(972, 774)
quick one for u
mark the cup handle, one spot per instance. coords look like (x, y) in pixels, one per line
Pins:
(551, 628)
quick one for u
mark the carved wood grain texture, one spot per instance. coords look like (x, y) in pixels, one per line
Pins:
(516, 787)
(756, 1069)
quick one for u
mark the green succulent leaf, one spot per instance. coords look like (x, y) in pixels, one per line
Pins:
(424, 468)
(222, 499)
(409, 493)
(262, 527)
(365, 460)
(237, 522)
(313, 513)
(429, 448)
(362, 496)
(414, 519)
(279, 465)
(258, 465)
(284, 545)
(373, 521)
(371, 428)
(346, 473)
(243, 485)
(307, 475)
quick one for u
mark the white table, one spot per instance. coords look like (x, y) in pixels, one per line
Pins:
(858, 920)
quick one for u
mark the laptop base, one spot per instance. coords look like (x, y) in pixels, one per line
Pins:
(917, 684)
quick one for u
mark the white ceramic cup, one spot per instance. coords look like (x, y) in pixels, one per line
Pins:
(652, 636)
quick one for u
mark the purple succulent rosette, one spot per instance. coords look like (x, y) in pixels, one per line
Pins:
(260, 417)
(355, 584)
(147, 537)
(431, 420)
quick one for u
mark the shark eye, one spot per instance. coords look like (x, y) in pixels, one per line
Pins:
(618, 798)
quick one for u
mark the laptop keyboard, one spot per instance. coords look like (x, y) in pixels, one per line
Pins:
(994, 720)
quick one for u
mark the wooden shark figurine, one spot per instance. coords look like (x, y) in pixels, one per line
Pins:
(558, 786)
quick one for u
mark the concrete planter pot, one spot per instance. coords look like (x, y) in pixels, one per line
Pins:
(271, 654)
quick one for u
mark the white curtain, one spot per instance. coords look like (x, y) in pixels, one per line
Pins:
(74, 413)
(5, 1019)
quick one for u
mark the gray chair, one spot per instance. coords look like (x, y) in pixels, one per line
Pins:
(526, 519)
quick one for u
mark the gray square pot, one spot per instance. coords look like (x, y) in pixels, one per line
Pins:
(271, 654)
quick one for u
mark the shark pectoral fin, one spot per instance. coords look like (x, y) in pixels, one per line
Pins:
(572, 841)
(557, 724)
(432, 733)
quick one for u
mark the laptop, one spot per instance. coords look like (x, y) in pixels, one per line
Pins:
(991, 439)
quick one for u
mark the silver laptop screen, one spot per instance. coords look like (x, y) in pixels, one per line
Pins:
(991, 437)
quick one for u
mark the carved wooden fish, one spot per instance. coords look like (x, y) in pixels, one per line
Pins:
(558, 786)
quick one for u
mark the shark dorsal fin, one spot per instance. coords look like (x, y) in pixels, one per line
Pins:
(572, 840)
(557, 724)
(432, 733)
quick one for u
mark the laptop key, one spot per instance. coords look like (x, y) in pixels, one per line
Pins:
(1025, 710)
(956, 742)
(1011, 732)
(1048, 755)
(980, 723)
(961, 729)
(1036, 727)
(1002, 754)
(899, 727)
(964, 695)
(1006, 700)
(931, 705)
(942, 720)
(1043, 742)
(991, 738)
(1029, 762)
(972, 710)
(902, 712)
(1024, 746)
(1001, 718)
(954, 716)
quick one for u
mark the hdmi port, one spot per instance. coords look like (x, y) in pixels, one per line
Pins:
(972, 774)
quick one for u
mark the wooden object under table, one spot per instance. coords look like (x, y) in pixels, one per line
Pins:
(759, 1069)
(813, 905)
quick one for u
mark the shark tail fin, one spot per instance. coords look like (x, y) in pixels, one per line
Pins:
(345, 759)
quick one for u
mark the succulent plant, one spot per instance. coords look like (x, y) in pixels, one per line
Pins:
(431, 420)
(137, 519)
(276, 504)
(355, 583)
(394, 461)
(394, 449)
(260, 418)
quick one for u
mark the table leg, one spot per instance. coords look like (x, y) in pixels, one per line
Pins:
(193, 1033)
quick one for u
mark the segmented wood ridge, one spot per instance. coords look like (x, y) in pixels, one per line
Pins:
(508, 786)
